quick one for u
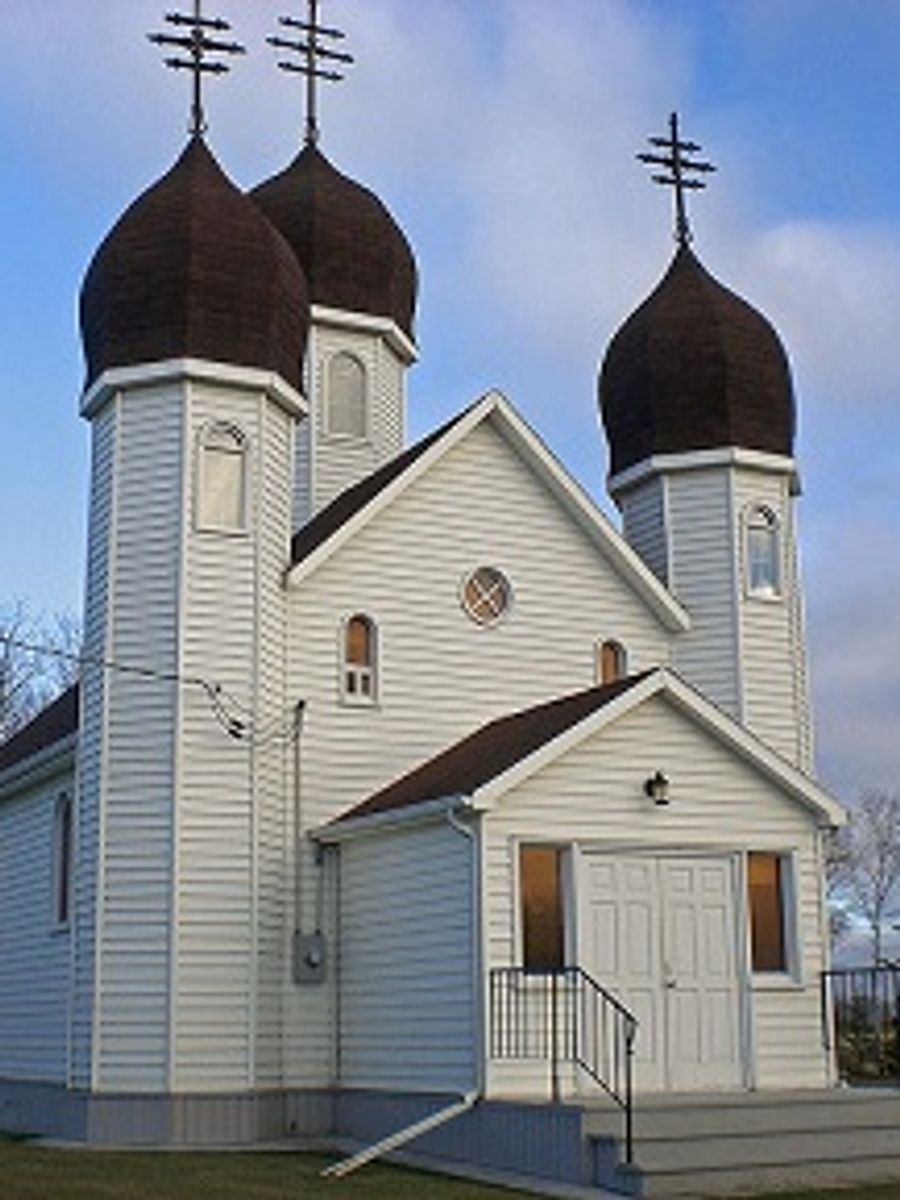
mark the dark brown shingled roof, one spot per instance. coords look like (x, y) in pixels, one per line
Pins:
(57, 721)
(489, 751)
(350, 501)
(193, 268)
(695, 368)
(353, 252)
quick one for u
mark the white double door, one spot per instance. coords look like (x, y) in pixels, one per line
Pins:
(659, 932)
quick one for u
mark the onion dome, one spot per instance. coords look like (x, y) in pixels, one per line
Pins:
(193, 269)
(695, 368)
(353, 252)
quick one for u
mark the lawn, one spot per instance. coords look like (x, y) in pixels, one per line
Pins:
(30, 1172)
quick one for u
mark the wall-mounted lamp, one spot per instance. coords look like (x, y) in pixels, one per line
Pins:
(657, 788)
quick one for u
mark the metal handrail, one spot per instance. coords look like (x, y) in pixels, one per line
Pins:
(861, 1021)
(564, 1015)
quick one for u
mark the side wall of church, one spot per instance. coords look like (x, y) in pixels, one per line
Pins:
(35, 950)
(439, 674)
(407, 1016)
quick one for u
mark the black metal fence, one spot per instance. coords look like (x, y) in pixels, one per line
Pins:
(861, 1014)
(565, 1016)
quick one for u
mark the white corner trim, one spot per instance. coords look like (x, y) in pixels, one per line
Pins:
(180, 370)
(664, 682)
(755, 751)
(592, 520)
(37, 768)
(695, 460)
(487, 795)
(550, 471)
(382, 822)
(340, 318)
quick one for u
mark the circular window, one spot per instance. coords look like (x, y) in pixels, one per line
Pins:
(486, 595)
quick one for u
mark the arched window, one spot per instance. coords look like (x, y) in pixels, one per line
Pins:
(763, 574)
(612, 661)
(346, 396)
(359, 660)
(222, 478)
(62, 860)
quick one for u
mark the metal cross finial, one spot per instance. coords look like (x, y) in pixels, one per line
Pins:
(312, 52)
(677, 164)
(196, 44)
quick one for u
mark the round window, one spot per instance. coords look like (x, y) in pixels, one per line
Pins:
(486, 595)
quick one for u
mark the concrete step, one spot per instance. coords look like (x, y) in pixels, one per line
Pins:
(764, 1177)
(690, 1146)
(824, 1111)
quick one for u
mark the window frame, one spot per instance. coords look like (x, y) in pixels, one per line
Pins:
(618, 648)
(357, 696)
(563, 852)
(790, 974)
(508, 591)
(759, 518)
(62, 860)
(338, 435)
(206, 432)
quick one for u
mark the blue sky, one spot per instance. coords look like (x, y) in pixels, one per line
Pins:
(502, 135)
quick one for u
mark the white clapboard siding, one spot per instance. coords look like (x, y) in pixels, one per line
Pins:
(139, 726)
(702, 576)
(644, 523)
(406, 1008)
(230, 821)
(440, 674)
(593, 797)
(91, 749)
(776, 705)
(34, 950)
(339, 461)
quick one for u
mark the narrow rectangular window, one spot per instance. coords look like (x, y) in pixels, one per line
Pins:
(62, 860)
(765, 881)
(541, 885)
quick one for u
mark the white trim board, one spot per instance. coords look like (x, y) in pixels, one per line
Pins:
(580, 507)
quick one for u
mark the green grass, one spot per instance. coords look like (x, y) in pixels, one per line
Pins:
(33, 1172)
(30, 1172)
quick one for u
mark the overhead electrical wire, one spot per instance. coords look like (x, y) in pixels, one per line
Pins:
(222, 702)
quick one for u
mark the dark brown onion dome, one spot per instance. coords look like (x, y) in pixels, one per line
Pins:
(193, 269)
(695, 368)
(353, 252)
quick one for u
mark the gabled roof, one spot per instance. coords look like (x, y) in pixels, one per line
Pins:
(491, 750)
(498, 756)
(354, 508)
(53, 724)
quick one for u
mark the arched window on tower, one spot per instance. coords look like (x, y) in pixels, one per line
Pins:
(222, 478)
(611, 661)
(359, 660)
(346, 400)
(762, 552)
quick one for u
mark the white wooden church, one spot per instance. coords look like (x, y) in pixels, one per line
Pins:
(398, 779)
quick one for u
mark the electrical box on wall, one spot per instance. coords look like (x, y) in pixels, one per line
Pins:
(309, 958)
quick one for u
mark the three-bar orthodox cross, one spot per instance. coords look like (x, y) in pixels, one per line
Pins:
(678, 167)
(196, 44)
(312, 53)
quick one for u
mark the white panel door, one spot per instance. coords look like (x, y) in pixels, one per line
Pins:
(660, 934)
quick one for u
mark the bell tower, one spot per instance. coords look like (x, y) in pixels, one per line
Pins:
(698, 406)
(362, 282)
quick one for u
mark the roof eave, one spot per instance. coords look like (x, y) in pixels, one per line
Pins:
(36, 768)
(342, 829)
